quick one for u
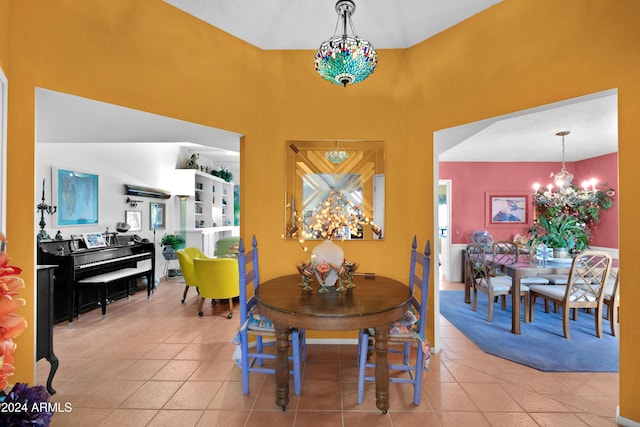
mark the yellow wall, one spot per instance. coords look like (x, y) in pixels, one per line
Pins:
(4, 35)
(145, 55)
(150, 56)
(522, 54)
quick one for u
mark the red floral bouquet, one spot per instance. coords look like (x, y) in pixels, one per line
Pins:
(11, 324)
(22, 396)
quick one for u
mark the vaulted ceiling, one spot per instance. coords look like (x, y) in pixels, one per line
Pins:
(290, 24)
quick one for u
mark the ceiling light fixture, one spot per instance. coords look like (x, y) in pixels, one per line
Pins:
(563, 178)
(345, 59)
(336, 155)
(567, 194)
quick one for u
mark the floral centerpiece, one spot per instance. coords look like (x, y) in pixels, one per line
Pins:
(22, 396)
(334, 218)
(566, 218)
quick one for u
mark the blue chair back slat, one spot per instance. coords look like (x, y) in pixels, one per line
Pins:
(423, 284)
(247, 277)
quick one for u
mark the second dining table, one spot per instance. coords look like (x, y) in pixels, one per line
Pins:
(519, 267)
(374, 302)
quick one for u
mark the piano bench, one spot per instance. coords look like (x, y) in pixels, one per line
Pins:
(102, 281)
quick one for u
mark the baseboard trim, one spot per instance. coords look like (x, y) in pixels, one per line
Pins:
(624, 422)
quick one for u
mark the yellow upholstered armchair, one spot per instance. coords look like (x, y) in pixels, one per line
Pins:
(218, 278)
(185, 258)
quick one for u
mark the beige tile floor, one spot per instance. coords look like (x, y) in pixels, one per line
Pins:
(156, 363)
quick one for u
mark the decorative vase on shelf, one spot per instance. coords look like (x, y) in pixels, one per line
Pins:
(329, 253)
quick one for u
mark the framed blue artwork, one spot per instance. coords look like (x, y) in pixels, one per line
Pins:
(507, 209)
(77, 197)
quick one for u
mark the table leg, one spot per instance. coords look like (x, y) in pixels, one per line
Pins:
(515, 303)
(382, 368)
(467, 291)
(282, 365)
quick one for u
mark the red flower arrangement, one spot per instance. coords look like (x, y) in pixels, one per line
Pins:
(11, 324)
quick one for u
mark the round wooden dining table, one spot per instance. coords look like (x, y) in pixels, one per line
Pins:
(373, 303)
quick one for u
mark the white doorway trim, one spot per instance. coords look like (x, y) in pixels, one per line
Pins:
(446, 249)
(3, 150)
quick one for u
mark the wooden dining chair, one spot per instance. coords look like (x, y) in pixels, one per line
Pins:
(585, 289)
(504, 250)
(612, 301)
(254, 324)
(530, 257)
(404, 333)
(482, 280)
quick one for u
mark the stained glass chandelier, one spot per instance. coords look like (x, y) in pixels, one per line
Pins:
(345, 59)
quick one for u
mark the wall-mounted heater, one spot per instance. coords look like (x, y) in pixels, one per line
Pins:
(139, 191)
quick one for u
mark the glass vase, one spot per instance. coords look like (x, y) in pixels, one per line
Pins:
(332, 254)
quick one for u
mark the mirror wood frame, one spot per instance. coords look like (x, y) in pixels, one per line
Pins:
(306, 158)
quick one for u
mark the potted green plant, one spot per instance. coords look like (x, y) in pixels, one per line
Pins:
(223, 173)
(564, 234)
(171, 243)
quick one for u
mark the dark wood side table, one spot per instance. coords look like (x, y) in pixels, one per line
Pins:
(373, 303)
(44, 321)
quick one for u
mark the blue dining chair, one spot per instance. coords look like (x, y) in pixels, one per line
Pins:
(405, 332)
(252, 323)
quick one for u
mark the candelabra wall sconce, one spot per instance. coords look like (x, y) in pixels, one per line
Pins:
(133, 203)
(44, 208)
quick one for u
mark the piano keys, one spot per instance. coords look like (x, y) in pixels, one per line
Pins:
(75, 262)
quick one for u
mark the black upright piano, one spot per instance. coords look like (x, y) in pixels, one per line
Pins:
(76, 262)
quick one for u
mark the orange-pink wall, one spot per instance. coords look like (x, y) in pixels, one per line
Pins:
(472, 180)
(605, 170)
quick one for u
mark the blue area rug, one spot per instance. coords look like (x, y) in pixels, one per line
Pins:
(541, 344)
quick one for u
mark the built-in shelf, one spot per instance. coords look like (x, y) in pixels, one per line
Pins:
(204, 209)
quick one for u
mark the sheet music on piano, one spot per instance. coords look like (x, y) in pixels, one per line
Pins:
(94, 240)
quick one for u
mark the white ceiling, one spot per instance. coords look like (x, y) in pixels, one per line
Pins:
(295, 24)
(68, 118)
(530, 135)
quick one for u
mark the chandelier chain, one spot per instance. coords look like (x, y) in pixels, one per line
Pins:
(563, 152)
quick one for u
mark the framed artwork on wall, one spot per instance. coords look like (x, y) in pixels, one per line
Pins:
(77, 197)
(134, 219)
(157, 216)
(506, 209)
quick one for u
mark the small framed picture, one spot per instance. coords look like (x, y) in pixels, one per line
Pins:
(134, 219)
(94, 240)
(507, 209)
(157, 216)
